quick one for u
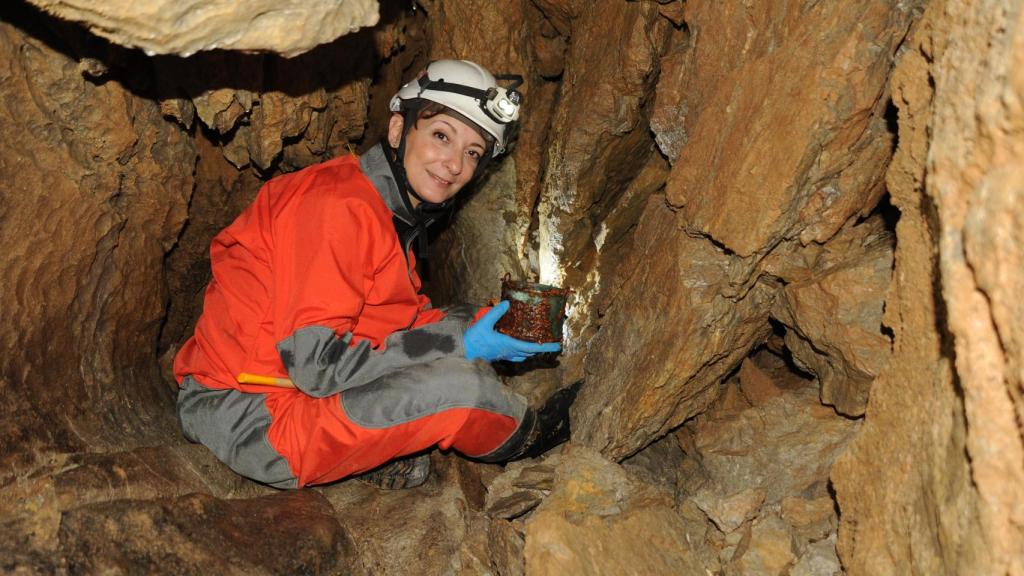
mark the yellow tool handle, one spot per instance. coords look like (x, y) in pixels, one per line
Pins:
(246, 378)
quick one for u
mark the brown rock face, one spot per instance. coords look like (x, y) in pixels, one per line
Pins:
(96, 190)
(668, 337)
(600, 520)
(785, 113)
(268, 112)
(598, 143)
(159, 27)
(946, 414)
(288, 533)
(704, 268)
(833, 307)
(707, 177)
(437, 528)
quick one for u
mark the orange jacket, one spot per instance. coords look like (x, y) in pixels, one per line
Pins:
(317, 248)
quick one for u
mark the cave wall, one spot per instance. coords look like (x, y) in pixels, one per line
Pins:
(948, 496)
(96, 188)
(721, 174)
(648, 165)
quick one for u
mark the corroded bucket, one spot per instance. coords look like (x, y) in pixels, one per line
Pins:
(536, 311)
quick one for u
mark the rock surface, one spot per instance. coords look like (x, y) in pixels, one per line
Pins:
(286, 533)
(437, 528)
(668, 337)
(713, 268)
(833, 307)
(96, 191)
(160, 27)
(796, 95)
(600, 520)
(757, 465)
(947, 411)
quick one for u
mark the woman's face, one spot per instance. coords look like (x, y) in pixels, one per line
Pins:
(441, 154)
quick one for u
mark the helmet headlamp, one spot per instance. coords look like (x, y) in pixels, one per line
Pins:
(502, 105)
(471, 91)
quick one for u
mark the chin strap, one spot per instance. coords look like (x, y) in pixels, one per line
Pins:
(423, 214)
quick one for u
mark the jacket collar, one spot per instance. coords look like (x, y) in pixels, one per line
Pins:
(375, 166)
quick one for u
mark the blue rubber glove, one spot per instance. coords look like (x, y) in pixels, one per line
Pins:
(483, 341)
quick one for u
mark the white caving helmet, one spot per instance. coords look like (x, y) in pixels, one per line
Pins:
(468, 89)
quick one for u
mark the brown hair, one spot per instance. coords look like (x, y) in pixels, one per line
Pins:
(431, 109)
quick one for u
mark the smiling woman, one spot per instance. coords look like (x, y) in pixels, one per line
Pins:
(443, 152)
(316, 356)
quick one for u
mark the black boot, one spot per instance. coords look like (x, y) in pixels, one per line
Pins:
(408, 472)
(551, 426)
(541, 430)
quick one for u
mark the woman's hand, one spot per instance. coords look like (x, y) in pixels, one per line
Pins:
(483, 341)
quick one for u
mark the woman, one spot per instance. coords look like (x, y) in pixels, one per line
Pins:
(316, 357)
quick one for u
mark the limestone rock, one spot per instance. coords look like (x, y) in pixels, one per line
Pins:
(147, 474)
(427, 529)
(770, 550)
(795, 94)
(819, 560)
(756, 385)
(598, 139)
(97, 187)
(729, 512)
(834, 310)
(520, 489)
(492, 548)
(948, 407)
(810, 519)
(658, 465)
(268, 112)
(290, 532)
(600, 520)
(783, 447)
(160, 27)
(669, 334)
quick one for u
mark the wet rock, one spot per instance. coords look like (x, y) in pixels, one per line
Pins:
(601, 520)
(162, 27)
(290, 532)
